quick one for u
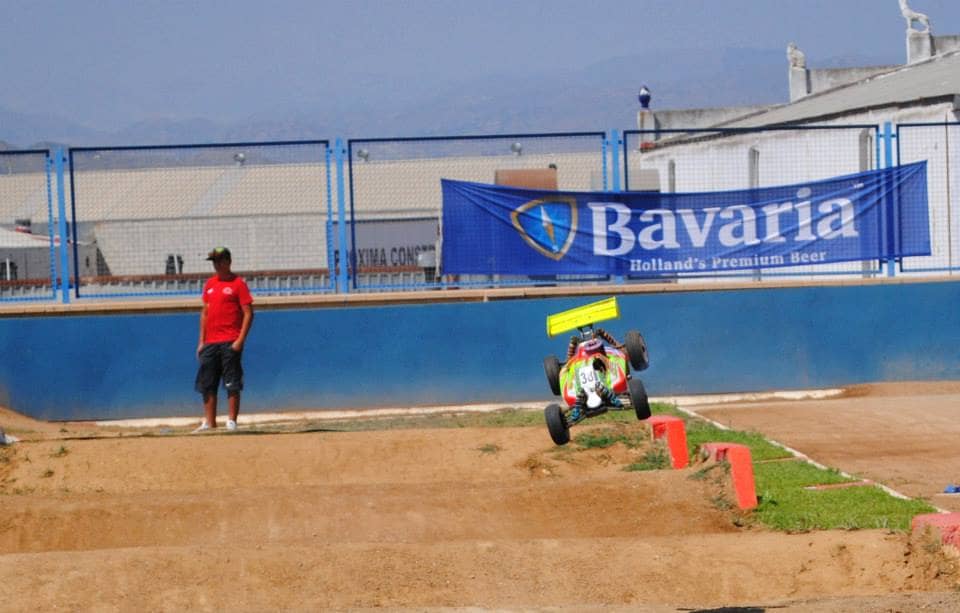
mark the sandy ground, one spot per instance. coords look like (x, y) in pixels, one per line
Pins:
(100, 518)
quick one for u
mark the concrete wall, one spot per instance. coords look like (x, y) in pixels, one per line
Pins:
(822, 79)
(126, 365)
(946, 44)
(698, 118)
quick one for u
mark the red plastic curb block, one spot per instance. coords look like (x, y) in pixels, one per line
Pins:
(741, 470)
(676, 433)
(947, 524)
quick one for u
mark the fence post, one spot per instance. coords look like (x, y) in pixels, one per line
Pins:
(615, 143)
(604, 146)
(331, 257)
(343, 256)
(49, 168)
(59, 159)
(890, 208)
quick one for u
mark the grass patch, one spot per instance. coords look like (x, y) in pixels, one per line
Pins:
(700, 432)
(489, 448)
(59, 453)
(599, 440)
(46, 474)
(796, 473)
(785, 504)
(655, 458)
(610, 436)
(504, 418)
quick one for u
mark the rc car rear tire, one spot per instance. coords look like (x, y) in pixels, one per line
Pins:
(557, 424)
(636, 350)
(638, 398)
(551, 366)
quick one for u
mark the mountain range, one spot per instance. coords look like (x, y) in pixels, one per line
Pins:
(597, 97)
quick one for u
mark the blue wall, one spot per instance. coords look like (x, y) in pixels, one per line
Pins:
(117, 366)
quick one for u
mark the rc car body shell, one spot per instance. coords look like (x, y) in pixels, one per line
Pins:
(608, 362)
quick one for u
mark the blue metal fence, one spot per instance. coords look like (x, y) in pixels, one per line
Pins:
(143, 218)
(395, 200)
(939, 145)
(27, 239)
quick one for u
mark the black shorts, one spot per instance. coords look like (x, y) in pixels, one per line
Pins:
(218, 361)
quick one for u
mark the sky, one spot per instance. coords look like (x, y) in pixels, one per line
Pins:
(105, 64)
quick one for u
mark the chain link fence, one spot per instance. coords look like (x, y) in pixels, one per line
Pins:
(939, 145)
(27, 236)
(144, 218)
(707, 160)
(395, 198)
(141, 219)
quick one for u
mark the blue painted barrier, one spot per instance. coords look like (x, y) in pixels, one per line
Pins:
(121, 366)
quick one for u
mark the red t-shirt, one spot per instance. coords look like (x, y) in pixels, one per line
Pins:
(224, 315)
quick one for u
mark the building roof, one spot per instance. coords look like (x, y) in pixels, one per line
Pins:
(912, 84)
(20, 240)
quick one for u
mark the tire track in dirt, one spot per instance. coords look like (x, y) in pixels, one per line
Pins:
(485, 517)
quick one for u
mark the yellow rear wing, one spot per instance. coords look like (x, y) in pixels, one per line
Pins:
(585, 315)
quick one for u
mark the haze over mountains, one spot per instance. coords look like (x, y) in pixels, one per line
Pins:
(601, 96)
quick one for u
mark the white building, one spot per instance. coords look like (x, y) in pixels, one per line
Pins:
(775, 145)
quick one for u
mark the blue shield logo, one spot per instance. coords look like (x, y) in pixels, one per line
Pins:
(549, 225)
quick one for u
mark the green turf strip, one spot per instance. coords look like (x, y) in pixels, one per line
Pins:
(785, 504)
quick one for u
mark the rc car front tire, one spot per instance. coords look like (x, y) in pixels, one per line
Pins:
(551, 366)
(636, 350)
(638, 398)
(557, 424)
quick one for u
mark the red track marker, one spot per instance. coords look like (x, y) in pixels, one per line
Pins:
(672, 428)
(741, 470)
(947, 524)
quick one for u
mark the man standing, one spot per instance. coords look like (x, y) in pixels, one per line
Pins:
(224, 324)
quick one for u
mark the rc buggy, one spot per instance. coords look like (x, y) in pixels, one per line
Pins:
(596, 375)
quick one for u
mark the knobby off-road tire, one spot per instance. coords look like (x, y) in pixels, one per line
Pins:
(551, 367)
(557, 424)
(636, 350)
(638, 398)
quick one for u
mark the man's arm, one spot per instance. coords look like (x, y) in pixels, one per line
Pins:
(203, 325)
(244, 327)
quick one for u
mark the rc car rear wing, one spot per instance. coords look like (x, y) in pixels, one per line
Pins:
(582, 316)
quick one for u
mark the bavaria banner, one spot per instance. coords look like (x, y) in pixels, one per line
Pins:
(879, 214)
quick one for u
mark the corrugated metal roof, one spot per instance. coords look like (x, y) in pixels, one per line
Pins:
(938, 77)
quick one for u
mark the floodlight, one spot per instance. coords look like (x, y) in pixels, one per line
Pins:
(517, 148)
(363, 154)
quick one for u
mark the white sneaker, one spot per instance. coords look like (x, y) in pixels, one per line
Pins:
(231, 425)
(203, 428)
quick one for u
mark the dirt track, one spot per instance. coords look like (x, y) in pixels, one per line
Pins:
(489, 518)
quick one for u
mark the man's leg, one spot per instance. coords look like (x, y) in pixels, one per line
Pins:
(210, 409)
(208, 376)
(233, 381)
(234, 400)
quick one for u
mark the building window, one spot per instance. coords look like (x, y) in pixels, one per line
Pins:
(753, 169)
(8, 270)
(174, 265)
(672, 176)
(867, 154)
